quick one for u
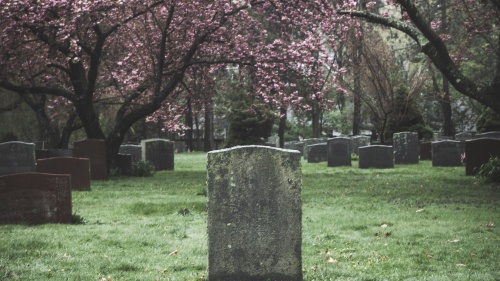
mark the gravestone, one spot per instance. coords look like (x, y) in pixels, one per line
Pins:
(254, 214)
(317, 153)
(78, 168)
(446, 153)
(491, 135)
(132, 149)
(35, 198)
(479, 152)
(338, 152)
(426, 150)
(158, 152)
(17, 157)
(95, 151)
(124, 164)
(463, 136)
(376, 156)
(307, 143)
(295, 145)
(405, 148)
(357, 142)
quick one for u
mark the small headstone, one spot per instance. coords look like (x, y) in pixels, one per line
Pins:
(307, 143)
(78, 168)
(478, 152)
(132, 149)
(426, 151)
(405, 148)
(124, 164)
(95, 151)
(254, 214)
(317, 153)
(295, 145)
(359, 141)
(17, 157)
(35, 198)
(159, 152)
(376, 156)
(339, 153)
(446, 153)
(491, 135)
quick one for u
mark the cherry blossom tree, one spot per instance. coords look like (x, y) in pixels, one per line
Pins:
(477, 37)
(135, 57)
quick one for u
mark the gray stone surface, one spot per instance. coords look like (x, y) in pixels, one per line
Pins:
(95, 151)
(17, 157)
(491, 135)
(317, 153)
(405, 148)
(478, 152)
(295, 145)
(132, 149)
(254, 214)
(339, 153)
(35, 198)
(159, 152)
(463, 136)
(376, 156)
(308, 142)
(446, 153)
(357, 142)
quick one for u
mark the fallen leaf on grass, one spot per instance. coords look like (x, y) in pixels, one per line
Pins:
(490, 224)
(383, 225)
(461, 264)
(331, 260)
(174, 253)
(420, 211)
(454, 241)
(429, 256)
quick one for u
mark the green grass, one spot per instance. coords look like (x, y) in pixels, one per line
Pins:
(413, 222)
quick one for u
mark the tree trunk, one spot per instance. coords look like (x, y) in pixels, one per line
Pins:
(356, 60)
(189, 123)
(209, 136)
(282, 127)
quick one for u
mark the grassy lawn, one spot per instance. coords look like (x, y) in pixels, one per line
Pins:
(413, 222)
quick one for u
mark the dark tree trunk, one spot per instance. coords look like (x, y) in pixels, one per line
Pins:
(282, 127)
(209, 136)
(189, 123)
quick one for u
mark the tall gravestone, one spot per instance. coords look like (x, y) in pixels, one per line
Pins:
(317, 153)
(254, 214)
(95, 151)
(405, 148)
(307, 143)
(357, 142)
(78, 168)
(376, 156)
(17, 157)
(159, 152)
(295, 145)
(338, 152)
(478, 152)
(35, 198)
(446, 153)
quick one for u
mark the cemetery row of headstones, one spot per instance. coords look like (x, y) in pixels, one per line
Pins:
(405, 149)
(34, 184)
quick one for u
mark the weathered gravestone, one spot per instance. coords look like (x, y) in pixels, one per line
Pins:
(463, 136)
(357, 142)
(479, 152)
(425, 150)
(78, 168)
(95, 151)
(376, 156)
(309, 142)
(317, 153)
(35, 198)
(132, 149)
(446, 153)
(17, 157)
(405, 148)
(254, 214)
(158, 152)
(295, 145)
(338, 152)
(491, 135)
